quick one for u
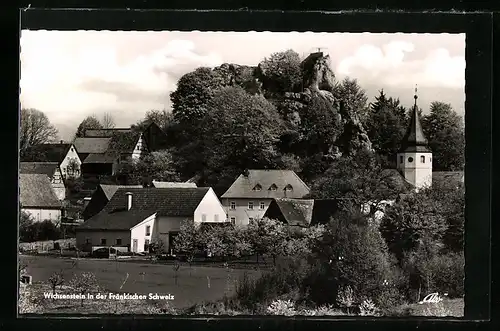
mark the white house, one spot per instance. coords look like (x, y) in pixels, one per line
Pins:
(65, 155)
(37, 198)
(251, 193)
(52, 170)
(136, 217)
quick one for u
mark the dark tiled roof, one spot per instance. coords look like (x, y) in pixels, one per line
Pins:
(110, 190)
(36, 191)
(122, 220)
(303, 212)
(243, 186)
(104, 133)
(172, 184)
(99, 158)
(45, 168)
(175, 202)
(91, 145)
(46, 153)
(414, 139)
(296, 212)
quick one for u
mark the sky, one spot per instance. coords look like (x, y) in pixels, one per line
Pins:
(72, 74)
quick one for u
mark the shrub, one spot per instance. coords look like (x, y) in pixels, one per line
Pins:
(355, 256)
(282, 308)
(442, 273)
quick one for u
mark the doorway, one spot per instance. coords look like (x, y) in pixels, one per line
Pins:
(134, 245)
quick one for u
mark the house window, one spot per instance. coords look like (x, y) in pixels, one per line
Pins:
(233, 220)
(273, 187)
(257, 187)
(288, 188)
(216, 217)
(103, 241)
(430, 159)
(232, 205)
(401, 159)
(148, 230)
(262, 205)
(118, 241)
(410, 159)
(146, 245)
(203, 217)
(87, 241)
(422, 158)
(250, 205)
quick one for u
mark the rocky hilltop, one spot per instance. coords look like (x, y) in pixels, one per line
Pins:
(318, 83)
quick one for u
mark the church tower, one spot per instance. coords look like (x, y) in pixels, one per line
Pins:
(414, 157)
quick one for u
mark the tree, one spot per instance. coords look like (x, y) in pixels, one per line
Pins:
(89, 123)
(108, 121)
(55, 280)
(194, 90)
(241, 132)
(26, 227)
(360, 179)
(267, 237)
(386, 126)
(413, 220)
(354, 97)
(162, 118)
(35, 129)
(84, 284)
(444, 129)
(281, 72)
(157, 166)
(188, 241)
(351, 255)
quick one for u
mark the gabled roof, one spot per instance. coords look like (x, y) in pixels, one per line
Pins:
(91, 145)
(303, 212)
(36, 191)
(243, 186)
(45, 168)
(46, 153)
(123, 220)
(99, 158)
(104, 133)
(175, 202)
(296, 212)
(172, 184)
(457, 176)
(414, 140)
(123, 142)
(110, 190)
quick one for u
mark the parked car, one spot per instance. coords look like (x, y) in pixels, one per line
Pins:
(103, 252)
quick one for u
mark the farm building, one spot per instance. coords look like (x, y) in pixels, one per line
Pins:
(37, 198)
(136, 217)
(251, 193)
(52, 170)
(65, 155)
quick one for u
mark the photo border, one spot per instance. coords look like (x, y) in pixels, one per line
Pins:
(478, 119)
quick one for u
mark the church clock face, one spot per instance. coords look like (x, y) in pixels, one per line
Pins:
(410, 159)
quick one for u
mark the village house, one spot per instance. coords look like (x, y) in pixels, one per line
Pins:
(38, 199)
(52, 170)
(136, 217)
(251, 193)
(103, 151)
(64, 154)
(104, 193)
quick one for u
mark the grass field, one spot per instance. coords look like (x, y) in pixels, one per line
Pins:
(194, 284)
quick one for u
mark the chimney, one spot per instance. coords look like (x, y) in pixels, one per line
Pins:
(62, 141)
(86, 202)
(129, 200)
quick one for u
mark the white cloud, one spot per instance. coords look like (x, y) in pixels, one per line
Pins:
(388, 65)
